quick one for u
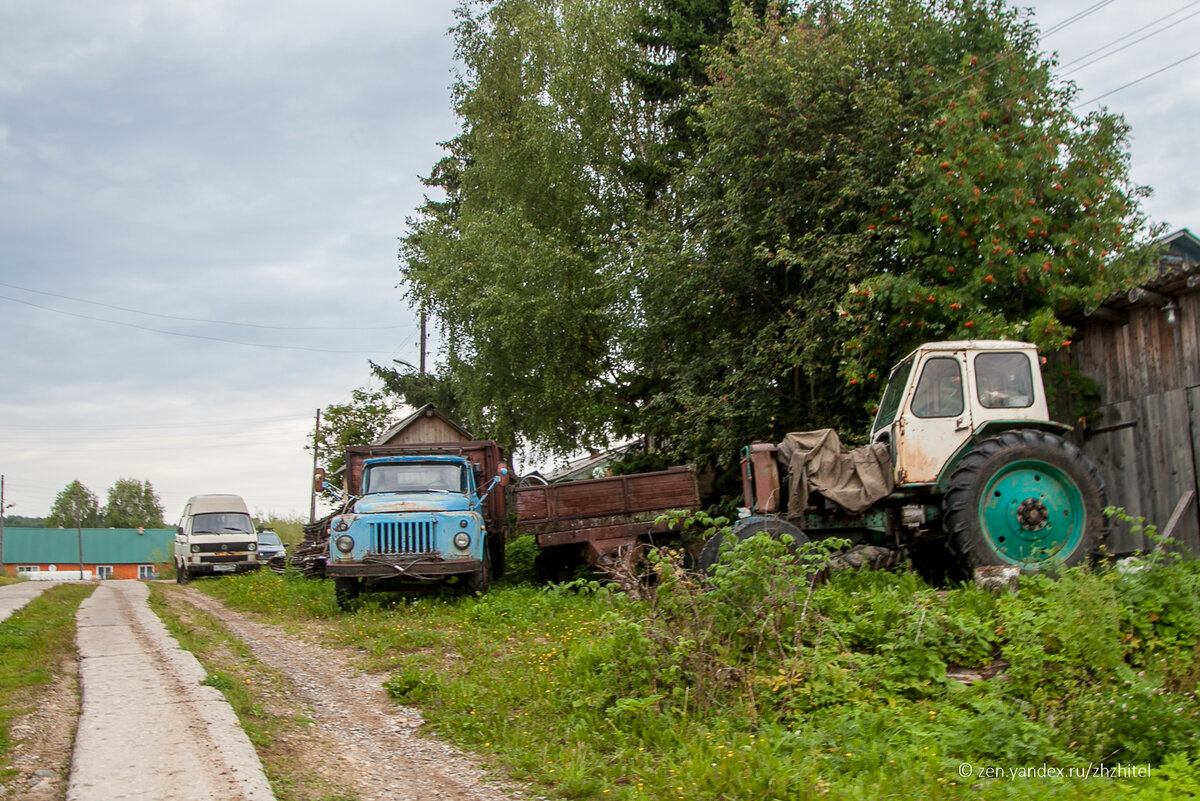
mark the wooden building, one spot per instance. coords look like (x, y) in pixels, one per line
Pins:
(1143, 349)
(108, 553)
(424, 425)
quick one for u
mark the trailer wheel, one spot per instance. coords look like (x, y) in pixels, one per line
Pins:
(744, 529)
(1025, 498)
(345, 591)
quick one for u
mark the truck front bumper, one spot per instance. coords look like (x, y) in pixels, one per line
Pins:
(422, 567)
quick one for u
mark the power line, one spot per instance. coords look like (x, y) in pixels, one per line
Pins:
(1071, 20)
(1131, 33)
(1138, 80)
(190, 424)
(208, 322)
(189, 336)
(1068, 22)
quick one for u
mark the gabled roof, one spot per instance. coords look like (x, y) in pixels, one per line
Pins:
(1183, 243)
(104, 546)
(428, 410)
(1179, 262)
(586, 466)
(1178, 273)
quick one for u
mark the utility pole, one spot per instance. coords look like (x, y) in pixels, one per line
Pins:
(79, 535)
(423, 338)
(2, 508)
(312, 504)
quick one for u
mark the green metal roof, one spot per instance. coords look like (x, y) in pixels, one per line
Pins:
(101, 546)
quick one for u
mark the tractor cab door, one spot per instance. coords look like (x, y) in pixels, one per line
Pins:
(934, 419)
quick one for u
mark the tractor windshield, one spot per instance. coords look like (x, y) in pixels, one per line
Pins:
(892, 396)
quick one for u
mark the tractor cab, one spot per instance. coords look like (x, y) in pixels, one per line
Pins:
(945, 394)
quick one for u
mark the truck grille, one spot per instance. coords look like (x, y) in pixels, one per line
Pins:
(402, 537)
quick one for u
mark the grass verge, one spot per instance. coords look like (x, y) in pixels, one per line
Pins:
(35, 642)
(757, 687)
(274, 724)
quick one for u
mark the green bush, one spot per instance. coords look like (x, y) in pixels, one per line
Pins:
(520, 554)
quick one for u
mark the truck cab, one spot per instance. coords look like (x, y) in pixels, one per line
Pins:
(418, 517)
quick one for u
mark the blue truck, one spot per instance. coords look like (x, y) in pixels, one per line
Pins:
(418, 515)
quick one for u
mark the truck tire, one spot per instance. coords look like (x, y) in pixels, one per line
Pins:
(477, 582)
(1026, 498)
(345, 591)
(744, 529)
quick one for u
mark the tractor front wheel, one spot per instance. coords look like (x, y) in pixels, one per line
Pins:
(744, 529)
(1025, 498)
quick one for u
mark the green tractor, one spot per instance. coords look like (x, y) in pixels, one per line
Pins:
(963, 457)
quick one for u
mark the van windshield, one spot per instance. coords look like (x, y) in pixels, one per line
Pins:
(222, 523)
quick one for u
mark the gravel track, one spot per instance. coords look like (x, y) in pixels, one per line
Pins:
(377, 745)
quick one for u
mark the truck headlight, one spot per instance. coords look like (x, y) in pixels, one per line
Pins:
(344, 543)
(462, 540)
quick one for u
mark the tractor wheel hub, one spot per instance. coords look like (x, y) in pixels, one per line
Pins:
(1032, 514)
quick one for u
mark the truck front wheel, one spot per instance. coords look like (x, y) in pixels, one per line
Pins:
(345, 591)
(477, 582)
(1025, 498)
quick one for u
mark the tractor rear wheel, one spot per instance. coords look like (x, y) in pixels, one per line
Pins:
(1025, 498)
(744, 529)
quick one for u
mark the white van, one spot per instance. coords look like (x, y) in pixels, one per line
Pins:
(215, 535)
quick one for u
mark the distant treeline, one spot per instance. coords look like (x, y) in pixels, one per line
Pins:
(19, 521)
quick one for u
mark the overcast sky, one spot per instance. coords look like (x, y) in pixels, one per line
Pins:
(200, 202)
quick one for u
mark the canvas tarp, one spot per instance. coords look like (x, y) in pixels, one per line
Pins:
(816, 461)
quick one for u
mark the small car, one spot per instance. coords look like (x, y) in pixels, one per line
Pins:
(269, 545)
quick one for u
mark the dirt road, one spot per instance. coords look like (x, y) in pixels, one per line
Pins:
(148, 730)
(374, 747)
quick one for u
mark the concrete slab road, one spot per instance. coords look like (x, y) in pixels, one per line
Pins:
(148, 730)
(14, 596)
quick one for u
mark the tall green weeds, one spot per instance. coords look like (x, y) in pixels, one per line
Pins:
(761, 682)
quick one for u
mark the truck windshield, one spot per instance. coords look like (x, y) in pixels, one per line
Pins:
(222, 523)
(418, 477)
